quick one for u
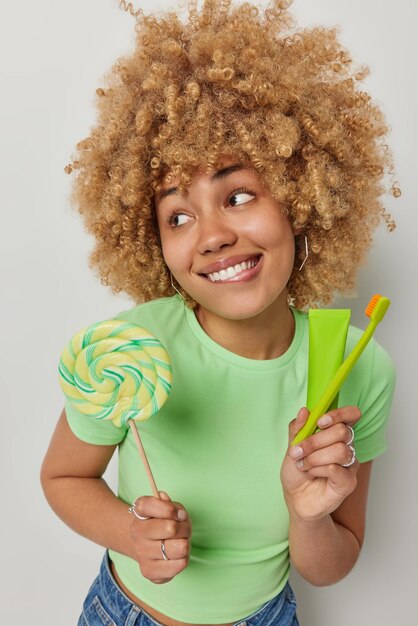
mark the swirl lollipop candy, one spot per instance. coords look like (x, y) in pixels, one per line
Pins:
(116, 370)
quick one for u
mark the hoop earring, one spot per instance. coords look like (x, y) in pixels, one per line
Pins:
(174, 287)
(306, 255)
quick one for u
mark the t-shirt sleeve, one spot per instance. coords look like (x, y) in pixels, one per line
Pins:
(91, 430)
(375, 377)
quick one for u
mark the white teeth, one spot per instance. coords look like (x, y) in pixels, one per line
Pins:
(232, 271)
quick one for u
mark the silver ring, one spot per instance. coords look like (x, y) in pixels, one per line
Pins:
(132, 510)
(353, 457)
(165, 557)
(350, 441)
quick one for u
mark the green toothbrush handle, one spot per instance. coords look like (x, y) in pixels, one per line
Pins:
(335, 385)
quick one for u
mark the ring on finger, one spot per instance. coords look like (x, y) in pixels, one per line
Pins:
(350, 441)
(164, 553)
(132, 510)
(353, 457)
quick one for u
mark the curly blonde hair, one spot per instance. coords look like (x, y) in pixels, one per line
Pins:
(246, 83)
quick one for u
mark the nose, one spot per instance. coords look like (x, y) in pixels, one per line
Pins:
(215, 233)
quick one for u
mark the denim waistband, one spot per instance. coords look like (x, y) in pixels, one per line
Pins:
(122, 605)
(113, 595)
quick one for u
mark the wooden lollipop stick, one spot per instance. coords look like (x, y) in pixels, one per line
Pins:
(144, 458)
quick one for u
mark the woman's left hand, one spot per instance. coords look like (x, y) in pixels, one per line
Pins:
(315, 482)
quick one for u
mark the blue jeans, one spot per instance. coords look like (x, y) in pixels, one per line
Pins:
(107, 605)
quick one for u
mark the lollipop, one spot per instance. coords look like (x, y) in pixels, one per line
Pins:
(115, 370)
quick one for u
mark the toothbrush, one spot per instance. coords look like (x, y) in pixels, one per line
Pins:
(376, 310)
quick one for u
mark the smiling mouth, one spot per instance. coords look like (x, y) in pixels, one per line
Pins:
(233, 271)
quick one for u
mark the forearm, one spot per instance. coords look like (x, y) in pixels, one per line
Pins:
(91, 509)
(322, 551)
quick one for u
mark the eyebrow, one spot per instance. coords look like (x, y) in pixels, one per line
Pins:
(217, 176)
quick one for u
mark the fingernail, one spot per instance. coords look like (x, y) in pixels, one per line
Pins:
(181, 514)
(325, 420)
(299, 464)
(296, 452)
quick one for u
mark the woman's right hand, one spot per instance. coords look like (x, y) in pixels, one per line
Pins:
(169, 522)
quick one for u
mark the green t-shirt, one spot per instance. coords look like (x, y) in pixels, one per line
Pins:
(217, 446)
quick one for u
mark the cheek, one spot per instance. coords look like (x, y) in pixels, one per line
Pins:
(165, 247)
(174, 254)
(166, 243)
(274, 233)
(167, 254)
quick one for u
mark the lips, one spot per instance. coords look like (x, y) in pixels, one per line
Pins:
(224, 264)
(237, 273)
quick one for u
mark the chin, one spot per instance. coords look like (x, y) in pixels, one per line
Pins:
(240, 308)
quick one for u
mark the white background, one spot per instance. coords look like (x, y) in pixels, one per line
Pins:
(52, 57)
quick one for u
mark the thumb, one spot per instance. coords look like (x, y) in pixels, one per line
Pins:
(164, 496)
(296, 424)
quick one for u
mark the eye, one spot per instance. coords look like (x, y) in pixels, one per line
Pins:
(239, 193)
(178, 219)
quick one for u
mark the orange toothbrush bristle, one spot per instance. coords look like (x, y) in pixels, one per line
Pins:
(373, 301)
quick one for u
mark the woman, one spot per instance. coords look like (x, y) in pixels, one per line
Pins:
(225, 148)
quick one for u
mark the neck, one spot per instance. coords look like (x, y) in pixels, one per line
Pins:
(265, 336)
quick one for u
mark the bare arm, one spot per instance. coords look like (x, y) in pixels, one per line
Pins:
(324, 551)
(71, 478)
(326, 501)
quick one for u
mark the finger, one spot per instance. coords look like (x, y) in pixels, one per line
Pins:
(160, 571)
(296, 424)
(174, 548)
(341, 479)
(321, 439)
(157, 529)
(181, 512)
(338, 453)
(149, 506)
(346, 415)
(147, 535)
